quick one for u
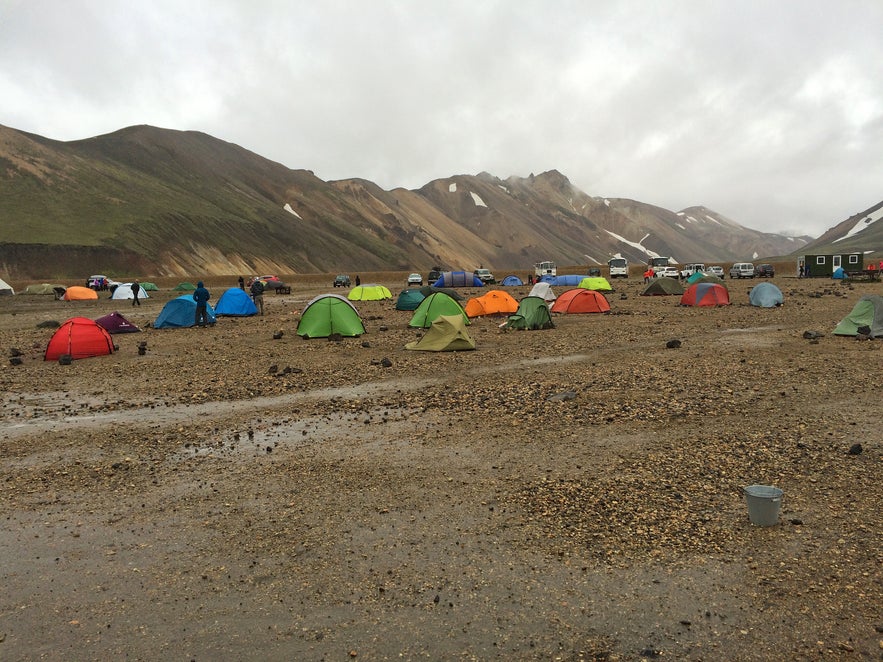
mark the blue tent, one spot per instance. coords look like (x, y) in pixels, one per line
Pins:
(766, 295)
(567, 280)
(458, 279)
(180, 313)
(235, 302)
(839, 274)
(512, 281)
(546, 278)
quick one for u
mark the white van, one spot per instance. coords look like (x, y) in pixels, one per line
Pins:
(742, 270)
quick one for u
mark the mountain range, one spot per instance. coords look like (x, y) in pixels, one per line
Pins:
(160, 202)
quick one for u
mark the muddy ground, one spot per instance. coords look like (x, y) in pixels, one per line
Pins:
(571, 494)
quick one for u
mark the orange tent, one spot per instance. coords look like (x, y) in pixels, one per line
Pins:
(81, 338)
(495, 302)
(580, 300)
(79, 293)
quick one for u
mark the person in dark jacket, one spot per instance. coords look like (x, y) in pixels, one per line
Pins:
(136, 290)
(201, 297)
(257, 294)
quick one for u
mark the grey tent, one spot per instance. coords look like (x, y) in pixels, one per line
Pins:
(765, 295)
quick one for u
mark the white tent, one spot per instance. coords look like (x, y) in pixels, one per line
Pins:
(5, 288)
(124, 291)
(544, 291)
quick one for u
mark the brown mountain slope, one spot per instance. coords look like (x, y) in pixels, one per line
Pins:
(160, 202)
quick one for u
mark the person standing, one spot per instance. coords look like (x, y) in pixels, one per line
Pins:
(201, 297)
(257, 294)
(241, 283)
(136, 291)
(358, 280)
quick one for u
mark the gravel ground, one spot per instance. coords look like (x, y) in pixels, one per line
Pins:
(569, 494)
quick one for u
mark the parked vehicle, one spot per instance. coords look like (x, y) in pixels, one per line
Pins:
(341, 280)
(716, 270)
(415, 279)
(433, 275)
(668, 272)
(98, 282)
(547, 268)
(619, 267)
(485, 276)
(659, 261)
(764, 271)
(742, 270)
(692, 268)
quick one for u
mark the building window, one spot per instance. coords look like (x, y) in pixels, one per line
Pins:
(820, 259)
(853, 259)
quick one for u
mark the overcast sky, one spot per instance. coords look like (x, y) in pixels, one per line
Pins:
(769, 112)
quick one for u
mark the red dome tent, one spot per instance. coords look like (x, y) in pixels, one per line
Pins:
(579, 300)
(706, 294)
(81, 338)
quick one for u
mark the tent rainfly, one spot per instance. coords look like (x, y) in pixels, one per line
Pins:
(329, 314)
(578, 300)
(79, 338)
(447, 333)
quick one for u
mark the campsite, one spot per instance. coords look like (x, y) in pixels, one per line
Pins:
(264, 488)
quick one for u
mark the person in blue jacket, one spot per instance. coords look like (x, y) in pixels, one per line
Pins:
(201, 297)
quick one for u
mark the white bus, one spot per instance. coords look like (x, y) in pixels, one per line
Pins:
(619, 267)
(546, 268)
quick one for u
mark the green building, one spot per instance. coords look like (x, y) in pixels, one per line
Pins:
(824, 266)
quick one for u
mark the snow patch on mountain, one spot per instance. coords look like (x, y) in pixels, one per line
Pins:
(862, 224)
(477, 200)
(288, 208)
(638, 245)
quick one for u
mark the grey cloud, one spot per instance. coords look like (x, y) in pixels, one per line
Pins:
(767, 112)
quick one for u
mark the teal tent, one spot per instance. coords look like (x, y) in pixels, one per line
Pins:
(533, 313)
(329, 314)
(409, 299)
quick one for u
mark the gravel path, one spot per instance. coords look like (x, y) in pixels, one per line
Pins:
(570, 494)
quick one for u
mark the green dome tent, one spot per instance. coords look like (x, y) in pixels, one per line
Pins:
(447, 333)
(432, 307)
(328, 314)
(150, 287)
(369, 293)
(868, 311)
(705, 278)
(409, 299)
(430, 289)
(533, 313)
(184, 287)
(663, 286)
(597, 283)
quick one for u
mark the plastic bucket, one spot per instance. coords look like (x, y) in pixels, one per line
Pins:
(763, 502)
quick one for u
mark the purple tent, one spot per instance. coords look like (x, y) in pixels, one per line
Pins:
(116, 323)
